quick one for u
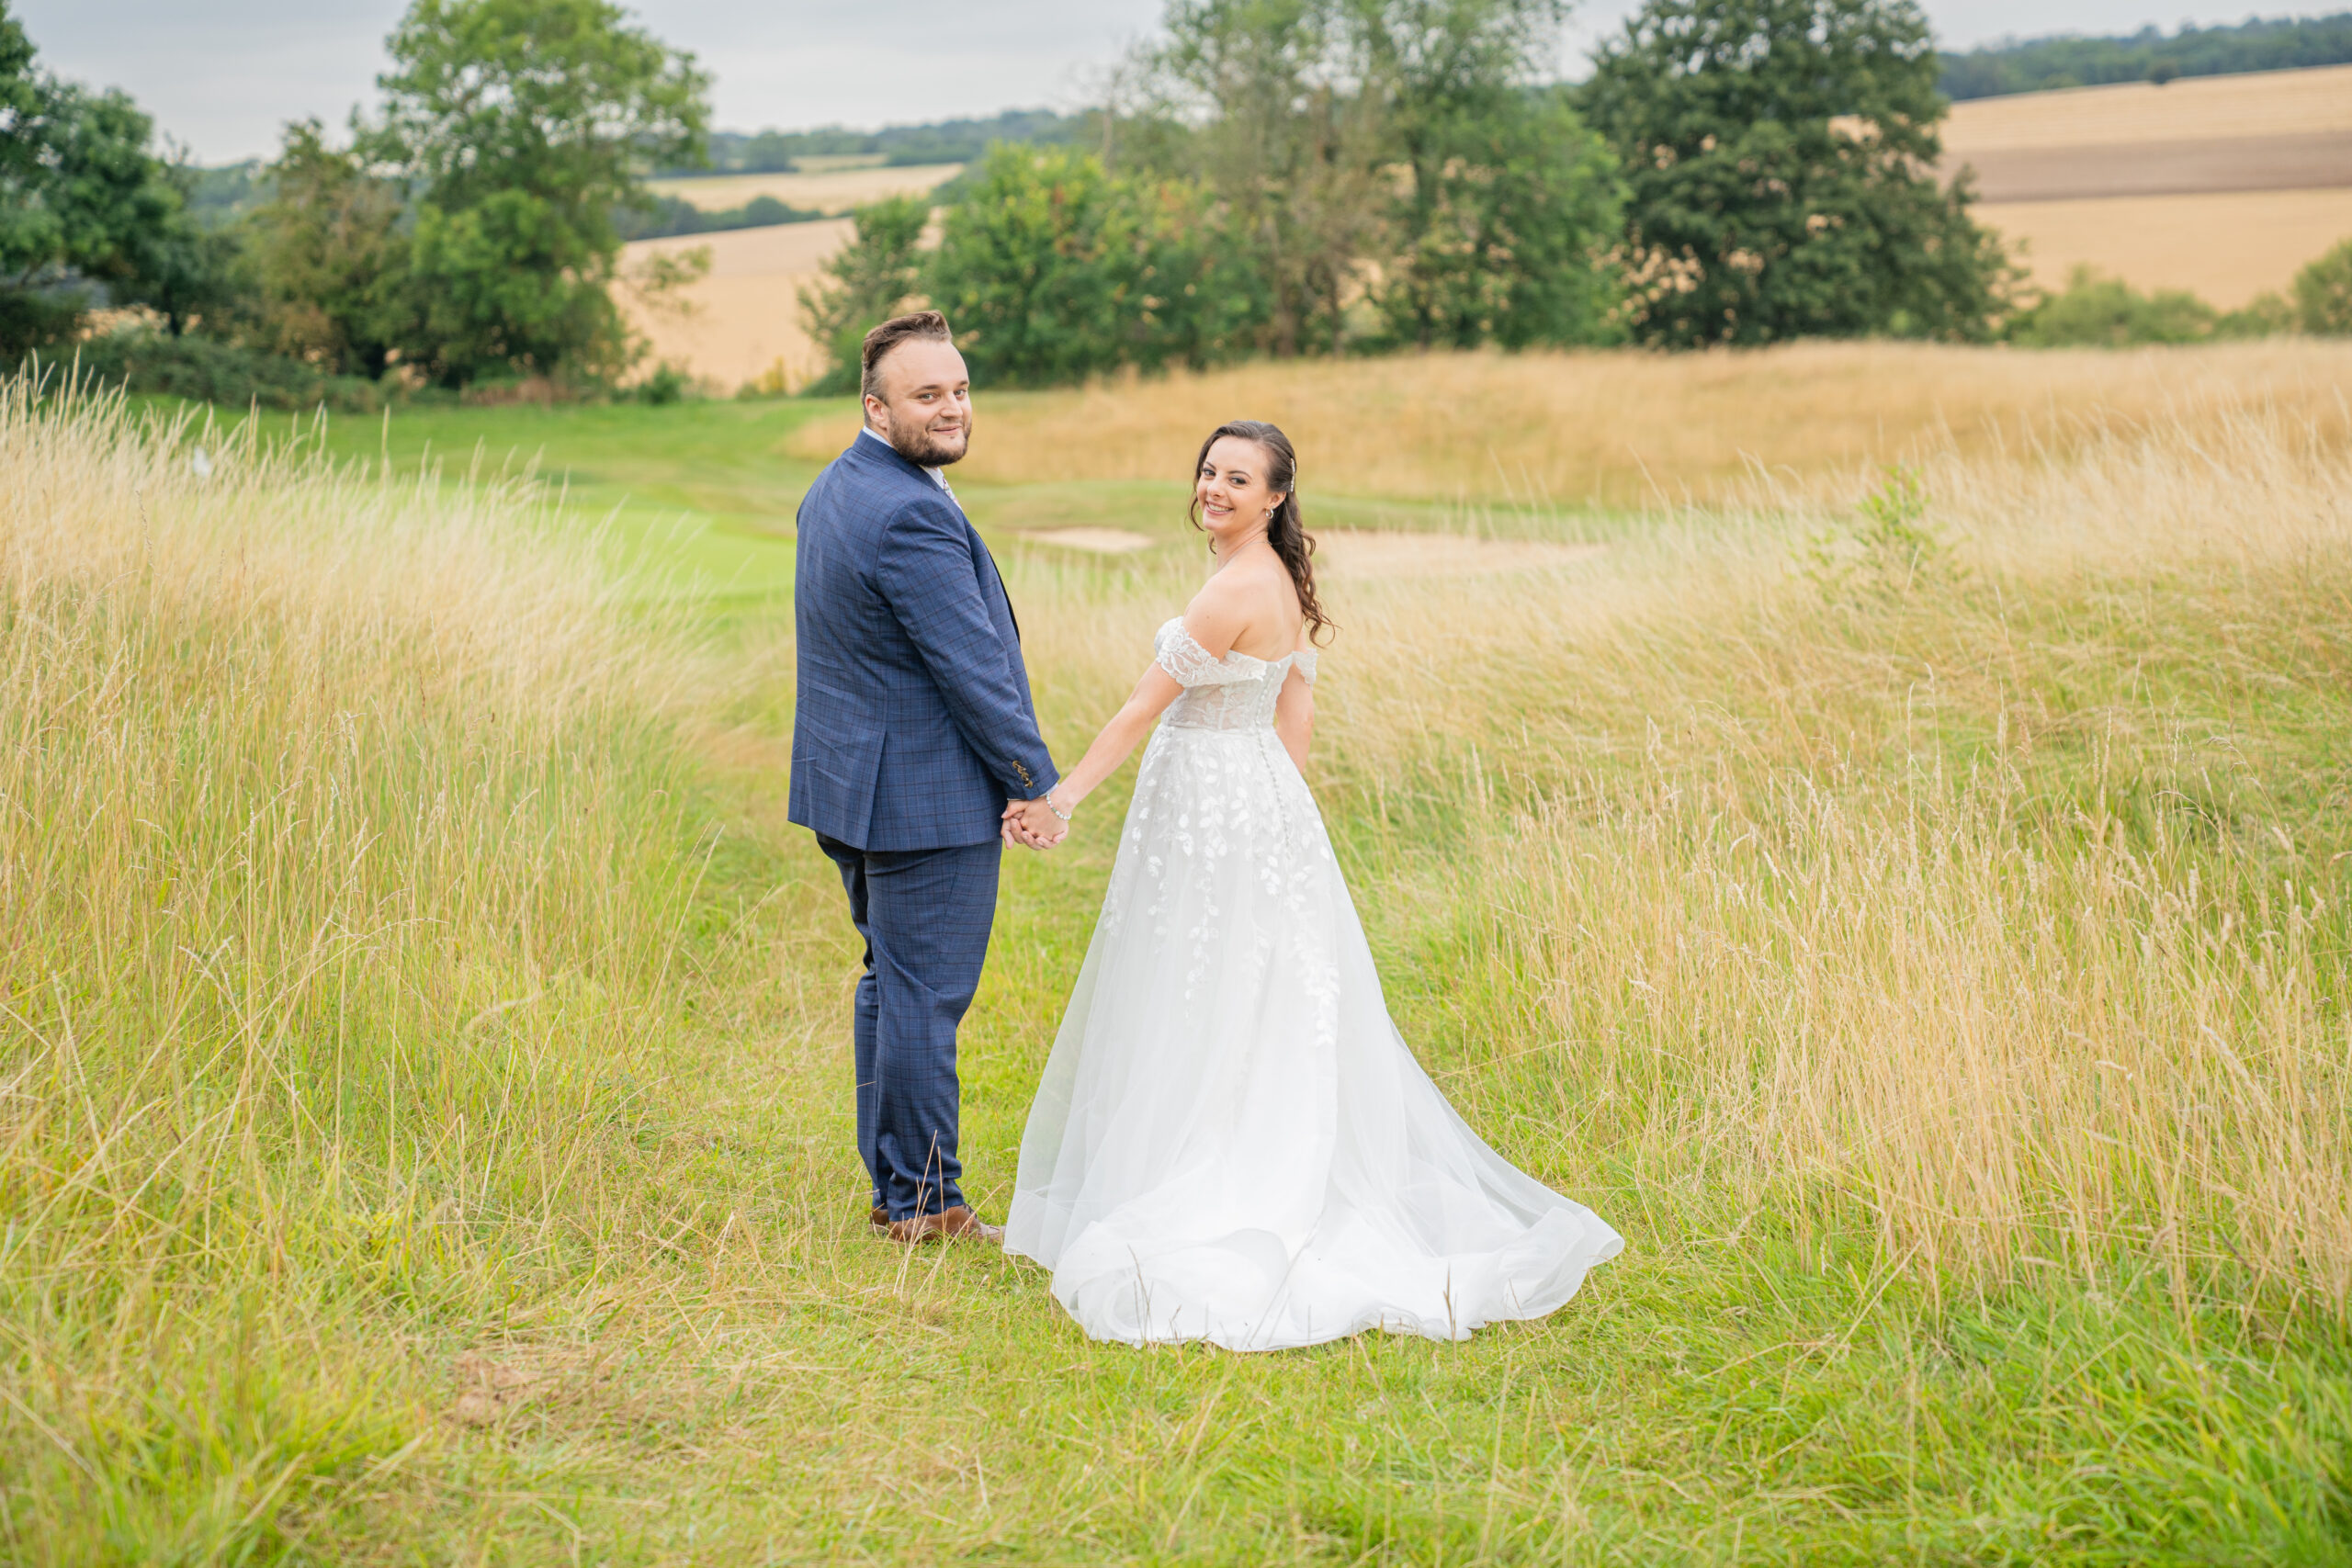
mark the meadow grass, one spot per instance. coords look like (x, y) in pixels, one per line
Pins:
(1910, 907)
(1619, 430)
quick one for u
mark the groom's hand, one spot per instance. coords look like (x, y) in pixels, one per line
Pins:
(1014, 829)
(1032, 824)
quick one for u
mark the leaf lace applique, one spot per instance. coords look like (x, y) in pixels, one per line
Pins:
(1192, 665)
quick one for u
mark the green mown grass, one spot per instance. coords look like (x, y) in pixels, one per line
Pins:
(425, 1115)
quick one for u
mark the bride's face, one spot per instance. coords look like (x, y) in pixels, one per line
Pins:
(1236, 501)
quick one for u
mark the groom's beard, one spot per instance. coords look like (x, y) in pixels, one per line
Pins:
(928, 449)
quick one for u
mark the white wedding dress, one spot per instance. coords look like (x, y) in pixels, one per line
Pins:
(1231, 1141)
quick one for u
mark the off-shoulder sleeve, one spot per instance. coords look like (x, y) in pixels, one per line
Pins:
(1305, 664)
(1190, 663)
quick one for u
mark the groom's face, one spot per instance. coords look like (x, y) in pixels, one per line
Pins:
(925, 409)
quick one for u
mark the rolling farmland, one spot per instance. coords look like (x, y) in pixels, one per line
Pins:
(2220, 185)
(743, 321)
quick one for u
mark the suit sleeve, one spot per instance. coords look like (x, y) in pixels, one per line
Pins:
(927, 575)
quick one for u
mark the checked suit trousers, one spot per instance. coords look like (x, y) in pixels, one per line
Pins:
(926, 915)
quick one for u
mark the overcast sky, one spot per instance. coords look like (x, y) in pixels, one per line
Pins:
(223, 75)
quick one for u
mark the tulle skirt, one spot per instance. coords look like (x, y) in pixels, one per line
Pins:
(1231, 1141)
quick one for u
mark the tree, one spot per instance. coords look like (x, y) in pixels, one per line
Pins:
(82, 199)
(185, 270)
(1289, 146)
(329, 255)
(877, 275)
(1511, 231)
(1510, 202)
(1780, 157)
(524, 126)
(1054, 269)
(2324, 294)
(1394, 167)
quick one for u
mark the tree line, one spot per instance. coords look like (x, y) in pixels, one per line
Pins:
(1321, 176)
(962, 141)
(2035, 65)
(1267, 178)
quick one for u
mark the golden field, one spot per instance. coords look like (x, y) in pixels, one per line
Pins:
(2225, 247)
(2223, 185)
(1628, 428)
(742, 321)
(2262, 104)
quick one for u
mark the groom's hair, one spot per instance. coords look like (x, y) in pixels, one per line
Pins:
(890, 334)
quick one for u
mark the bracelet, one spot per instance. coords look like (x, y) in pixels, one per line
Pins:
(1048, 798)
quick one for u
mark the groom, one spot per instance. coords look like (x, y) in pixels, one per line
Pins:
(914, 744)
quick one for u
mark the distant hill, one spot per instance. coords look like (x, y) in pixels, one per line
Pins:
(941, 142)
(2033, 65)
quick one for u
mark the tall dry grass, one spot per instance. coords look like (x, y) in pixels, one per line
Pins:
(1971, 878)
(342, 859)
(405, 1152)
(1626, 428)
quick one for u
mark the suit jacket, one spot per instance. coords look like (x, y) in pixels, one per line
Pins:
(914, 724)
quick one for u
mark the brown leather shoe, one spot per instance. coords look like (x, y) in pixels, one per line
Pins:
(879, 1219)
(958, 1223)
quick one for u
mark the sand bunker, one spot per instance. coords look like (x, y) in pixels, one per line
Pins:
(1094, 541)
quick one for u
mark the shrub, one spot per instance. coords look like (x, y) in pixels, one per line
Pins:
(2324, 294)
(1054, 270)
(208, 370)
(2265, 315)
(2093, 311)
(666, 385)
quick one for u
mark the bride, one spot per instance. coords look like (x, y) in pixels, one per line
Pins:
(1231, 1141)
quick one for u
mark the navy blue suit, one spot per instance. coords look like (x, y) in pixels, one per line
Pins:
(914, 726)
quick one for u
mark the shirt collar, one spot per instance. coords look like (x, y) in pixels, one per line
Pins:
(938, 477)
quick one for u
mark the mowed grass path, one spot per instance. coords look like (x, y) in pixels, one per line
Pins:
(427, 1123)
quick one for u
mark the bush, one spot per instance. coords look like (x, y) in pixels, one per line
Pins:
(31, 319)
(1055, 270)
(2093, 312)
(207, 370)
(666, 385)
(2265, 315)
(2324, 294)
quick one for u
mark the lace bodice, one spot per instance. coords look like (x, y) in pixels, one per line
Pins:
(1235, 692)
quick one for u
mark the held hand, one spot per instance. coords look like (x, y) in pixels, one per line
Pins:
(1032, 824)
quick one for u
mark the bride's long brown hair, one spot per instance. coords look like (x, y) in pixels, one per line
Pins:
(1284, 530)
